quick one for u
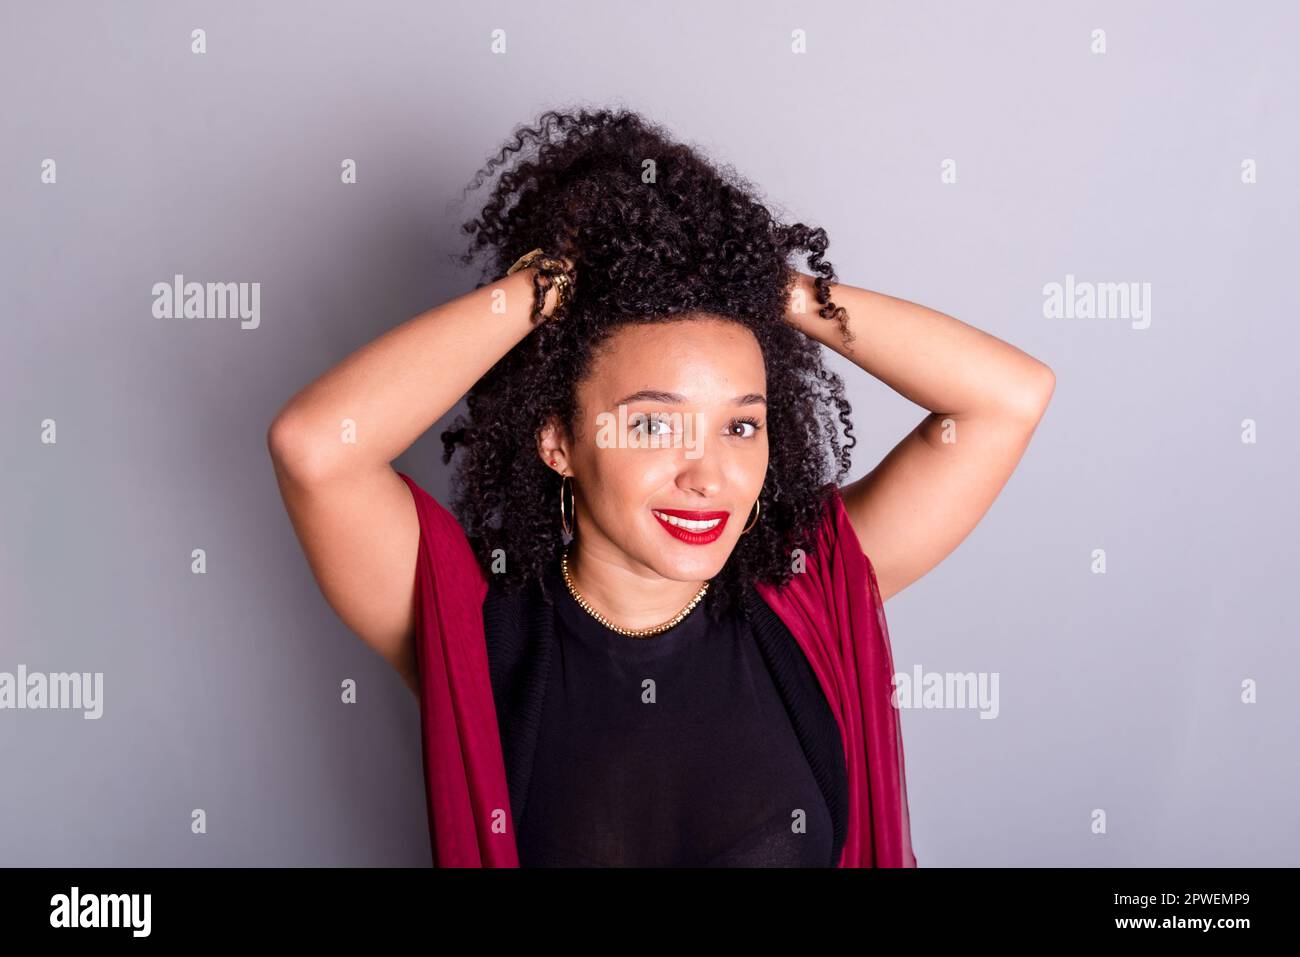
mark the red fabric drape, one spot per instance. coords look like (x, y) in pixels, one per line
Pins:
(834, 611)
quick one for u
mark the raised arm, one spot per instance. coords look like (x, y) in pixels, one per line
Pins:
(985, 398)
(333, 442)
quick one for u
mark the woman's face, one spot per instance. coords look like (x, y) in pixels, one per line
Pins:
(671, 419)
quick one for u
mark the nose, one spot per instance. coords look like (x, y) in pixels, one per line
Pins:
(703, 474)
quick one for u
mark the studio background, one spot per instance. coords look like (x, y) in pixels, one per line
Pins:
(1119, 691)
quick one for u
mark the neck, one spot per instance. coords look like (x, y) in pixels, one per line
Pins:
(629, 597)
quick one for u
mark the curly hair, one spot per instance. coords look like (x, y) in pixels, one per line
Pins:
(657, 233)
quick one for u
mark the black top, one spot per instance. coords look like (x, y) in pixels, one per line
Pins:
(707, 745)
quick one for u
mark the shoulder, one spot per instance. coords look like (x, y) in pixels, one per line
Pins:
(445, 558)
(831, 565)
(834, 539)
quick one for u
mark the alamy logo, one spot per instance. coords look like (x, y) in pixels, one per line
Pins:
(947, 689)
(179, 299)
(1098, 300)
(77, 691)
(638, 431)
(102, 910)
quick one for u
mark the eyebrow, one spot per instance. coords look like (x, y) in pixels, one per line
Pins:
(657, 395)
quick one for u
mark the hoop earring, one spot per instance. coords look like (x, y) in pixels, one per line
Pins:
(565, 523)
(757, 504)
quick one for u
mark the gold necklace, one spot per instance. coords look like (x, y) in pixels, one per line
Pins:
(629, 632)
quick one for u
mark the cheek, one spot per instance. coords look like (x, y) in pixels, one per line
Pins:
(632, 473)
(750, 470)
(622, 479)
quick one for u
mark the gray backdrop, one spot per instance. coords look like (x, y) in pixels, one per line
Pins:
(1119, 692)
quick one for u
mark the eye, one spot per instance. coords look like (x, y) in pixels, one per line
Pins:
(753, 425)
(645, 423)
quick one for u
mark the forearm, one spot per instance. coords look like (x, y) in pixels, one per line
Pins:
(939, 362)
(372, 406)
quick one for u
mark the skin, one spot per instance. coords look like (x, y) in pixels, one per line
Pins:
(357, 524)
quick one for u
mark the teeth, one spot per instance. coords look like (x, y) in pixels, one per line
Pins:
(687, 523)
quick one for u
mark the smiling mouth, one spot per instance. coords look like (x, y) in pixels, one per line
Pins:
(694, 527)
(678, 518)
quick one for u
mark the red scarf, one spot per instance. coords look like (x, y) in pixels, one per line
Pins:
(832, 608)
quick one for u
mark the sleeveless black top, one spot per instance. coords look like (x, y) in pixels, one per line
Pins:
(707, 745)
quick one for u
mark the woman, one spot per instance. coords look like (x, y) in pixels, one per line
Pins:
(652, 635)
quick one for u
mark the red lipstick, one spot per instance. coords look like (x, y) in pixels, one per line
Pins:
(690, 536)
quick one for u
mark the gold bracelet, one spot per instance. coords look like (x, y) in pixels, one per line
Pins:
(548, 265)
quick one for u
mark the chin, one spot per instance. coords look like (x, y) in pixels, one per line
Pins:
(671, 563)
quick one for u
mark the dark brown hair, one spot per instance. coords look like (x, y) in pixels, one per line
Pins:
(657, 232)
